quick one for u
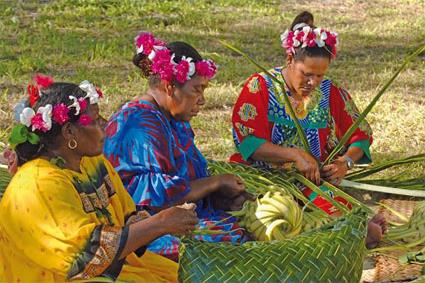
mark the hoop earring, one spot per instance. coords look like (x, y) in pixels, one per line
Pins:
(72, 144)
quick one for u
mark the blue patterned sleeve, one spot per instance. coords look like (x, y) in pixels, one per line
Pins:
(138, 147)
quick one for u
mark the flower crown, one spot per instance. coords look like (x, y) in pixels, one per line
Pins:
(162, 60)
(44, 117)
(302, 35)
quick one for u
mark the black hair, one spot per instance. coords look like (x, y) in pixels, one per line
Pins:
(178, 48)
(55, 94)
(316, 51)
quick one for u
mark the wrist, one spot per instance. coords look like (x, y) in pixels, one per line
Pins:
(291, 154)
(348, 161)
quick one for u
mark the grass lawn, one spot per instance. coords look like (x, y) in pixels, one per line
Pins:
(73, 40)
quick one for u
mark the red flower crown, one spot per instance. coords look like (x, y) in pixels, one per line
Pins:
(302, 35)
(163, 60)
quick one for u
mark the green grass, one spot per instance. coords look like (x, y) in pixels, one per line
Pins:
(74, 40)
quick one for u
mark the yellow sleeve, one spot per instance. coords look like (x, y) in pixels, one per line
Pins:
(43, 217)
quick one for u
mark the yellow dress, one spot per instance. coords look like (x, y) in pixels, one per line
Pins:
(58, 225)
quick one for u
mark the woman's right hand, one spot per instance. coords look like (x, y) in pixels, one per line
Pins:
(307, 165)
(178, 220)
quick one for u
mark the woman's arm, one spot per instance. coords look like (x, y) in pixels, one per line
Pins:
(304, 162)
(174, 220)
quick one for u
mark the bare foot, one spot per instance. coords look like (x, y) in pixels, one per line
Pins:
(376, 227)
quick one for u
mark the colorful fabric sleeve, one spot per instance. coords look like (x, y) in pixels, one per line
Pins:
(345, 112)
(251, 127)
(45, 218)
(143, 157)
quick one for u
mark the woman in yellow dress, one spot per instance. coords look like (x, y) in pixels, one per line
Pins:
(66, 215)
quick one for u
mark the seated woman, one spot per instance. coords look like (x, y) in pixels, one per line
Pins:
(65, 214)
(151, 144)
(264, 132)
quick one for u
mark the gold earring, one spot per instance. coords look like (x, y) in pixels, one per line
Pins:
(72, 144)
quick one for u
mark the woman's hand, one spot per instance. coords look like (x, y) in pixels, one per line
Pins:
(230, 186)
(336, 171)
(178, 220)
(307, 165)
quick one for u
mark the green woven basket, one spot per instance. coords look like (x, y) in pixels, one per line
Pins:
(332, 253)
(4, 180)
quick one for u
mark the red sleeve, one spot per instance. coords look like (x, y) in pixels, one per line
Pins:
(250, 111)
(344, 112)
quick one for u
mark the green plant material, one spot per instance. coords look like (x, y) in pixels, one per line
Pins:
(362, 116)
(282, 84)
(273, 216)
(4, 180)
(366, 172)
(21, 134)
(413, 230)
(320, 255)
(382, 189)
(300, 178)
(395, 212)
(413, 257)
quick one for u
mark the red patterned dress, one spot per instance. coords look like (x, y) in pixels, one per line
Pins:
(260, 115)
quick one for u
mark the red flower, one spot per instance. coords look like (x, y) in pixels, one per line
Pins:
(37, 123)
(182, 69)
(83, 104)
(84, 120)
(99, 92)
(43, 81)
(60, 114)
(33, 94)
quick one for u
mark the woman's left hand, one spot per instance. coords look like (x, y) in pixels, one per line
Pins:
(336, 171)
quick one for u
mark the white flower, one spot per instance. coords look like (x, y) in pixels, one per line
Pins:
(26, 115)
(152, 55)
(300, 25)
(321, 36)
(284, 36)
(140, 49)
(91, 91)
(75, 104)
(192, 70)
(46, 114)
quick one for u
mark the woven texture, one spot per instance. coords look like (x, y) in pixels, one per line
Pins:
(387, 267)
(332, 253)
(4, 180)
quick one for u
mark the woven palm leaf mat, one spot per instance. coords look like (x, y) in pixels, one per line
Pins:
(387, 267)
(4, 180)
(332, 253)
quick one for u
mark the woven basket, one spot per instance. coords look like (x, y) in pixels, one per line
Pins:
(332, 253)
(4, 180)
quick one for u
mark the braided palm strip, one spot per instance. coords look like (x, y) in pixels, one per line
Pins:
(4, 180)
(332, 253)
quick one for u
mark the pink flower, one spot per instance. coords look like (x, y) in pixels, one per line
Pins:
(206, 68)
(84, 120)
(145, 42)
(37, 123)
(331, 39)
(181, 71)
(43, 81)
(161, 64)
(83, 104)
(60, 113)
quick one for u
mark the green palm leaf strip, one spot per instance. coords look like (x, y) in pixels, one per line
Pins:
(341, 193)
(300, 178)
(294, 118)
(382, 189)
(362, 116)
(384, 165)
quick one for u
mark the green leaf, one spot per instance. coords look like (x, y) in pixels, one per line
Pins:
(19, 135)
(33, 138)
(362, 116)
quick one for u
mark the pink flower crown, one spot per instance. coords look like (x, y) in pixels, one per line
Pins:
(308, 36)
(43, 118)
(163, 63)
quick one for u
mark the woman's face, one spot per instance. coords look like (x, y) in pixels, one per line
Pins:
(186, 102)
(304, 76)
(90, 138)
